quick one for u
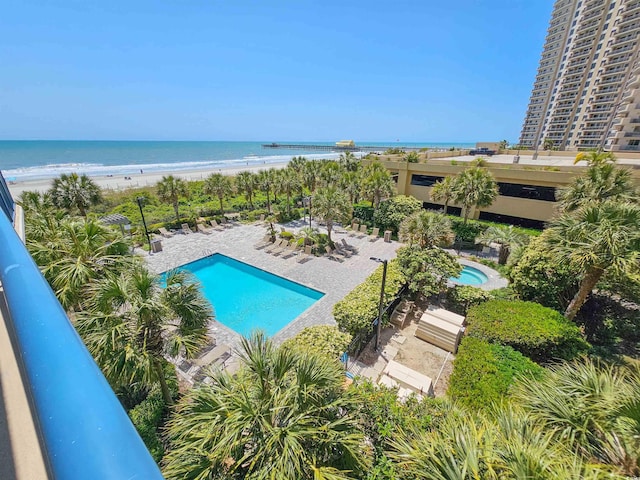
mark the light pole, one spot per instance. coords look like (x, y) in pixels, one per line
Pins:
(146, 232)
(384, 279)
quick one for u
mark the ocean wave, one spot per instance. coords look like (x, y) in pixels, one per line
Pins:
(96, 169)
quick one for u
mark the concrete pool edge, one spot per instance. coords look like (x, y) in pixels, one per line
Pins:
(494, 279)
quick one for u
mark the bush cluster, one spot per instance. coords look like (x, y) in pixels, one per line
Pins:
(146, 417)
(355, 312)
(325, 340)
(462, 297)
(483, 372)
(538, 332)
(363, 212)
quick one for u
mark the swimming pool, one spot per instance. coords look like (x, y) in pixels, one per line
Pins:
(470, 276)
(246, 298)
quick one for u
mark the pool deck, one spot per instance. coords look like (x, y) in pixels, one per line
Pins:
(334, 279)
(494, 279)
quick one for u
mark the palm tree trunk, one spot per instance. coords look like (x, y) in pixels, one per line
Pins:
(166, 394)
(587, 285)
(288, 203)
(329, 226)
(268, 201)
(175, 209)
(446, 205)
(221, 209)
(504, 254)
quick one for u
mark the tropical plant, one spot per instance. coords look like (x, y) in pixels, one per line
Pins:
(462, 297)
(597, 237)
(34, 201)
(331, 174)
(170, 189)
(134, 322)
(265, 181)
(326, 340)
(411, 157)
(377, 183)
(427, 270)
(349, 161)
(247, 183)
(394, 210)
(443, 191)
(506, 237)
(218, 185)
(548, 144)
(311, 174)
(426, 229)
(474, 187)
(595, 157)
(74, 191)
(331, 205)
(288, 182)
(351, 183)
(284, 416)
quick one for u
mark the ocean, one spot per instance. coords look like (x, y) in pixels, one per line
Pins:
(42, 159)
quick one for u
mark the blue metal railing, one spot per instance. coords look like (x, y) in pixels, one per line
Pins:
(6, 201)
(86, 432)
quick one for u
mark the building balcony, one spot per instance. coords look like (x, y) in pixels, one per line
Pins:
(632, 134)
(82, 430)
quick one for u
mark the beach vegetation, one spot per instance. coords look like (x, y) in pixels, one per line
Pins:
(411, 157)
(170, 190)
(220, 186)
(73, 191)
(474, 187)
(507, 237)
(326, 340)
(247, 183)
(443, 191)
(331, 206)
(377, 183)
(426, 229)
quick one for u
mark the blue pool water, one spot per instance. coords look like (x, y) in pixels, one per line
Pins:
(470, 276)
(246, 298)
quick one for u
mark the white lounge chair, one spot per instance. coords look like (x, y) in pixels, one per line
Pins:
(216, 226)
(202, 229)
(306, 255)
(165, 233)
(186, 229)
(275, 246)
(354, 229)
(374, 234)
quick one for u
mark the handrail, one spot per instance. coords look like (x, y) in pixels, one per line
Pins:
(6, 201)
(86, 432)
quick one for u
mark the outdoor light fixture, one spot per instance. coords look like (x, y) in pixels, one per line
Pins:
(384, 279)
(144, 223)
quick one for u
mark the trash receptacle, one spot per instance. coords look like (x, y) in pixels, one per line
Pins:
(516, 159)
(387, 236)
(156, 246)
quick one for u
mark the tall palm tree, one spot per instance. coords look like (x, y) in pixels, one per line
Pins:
(349, 162)
(331, 205)
(377, 183)
(265, 182)
(595, 157)
(507, 237)
(351, 183)
(475, 187)
(75, 191)
(443, 191)
(247, 183)
(297, 164)
(311, 174)
(426, 229)
(134, 323)
(72, 254)
(170, 190)
(592, 408)
(282, 416)
(331, 173)
(219, 185)
(289, 182)
(597, 237)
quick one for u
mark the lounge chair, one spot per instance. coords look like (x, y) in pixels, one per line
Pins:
(202, 229)
(346, 246)
(284, 245)
(261, 219)
(374, 235)
(265, 242)
(306, 255)
(216, 226)
(186, 229)
(354, 229)
(292, 250)
(165, 233)
(351, 227)
(215, 355)
(363, 231)
(225, 223)
(345, 253)
(333, 255)
(275, 246)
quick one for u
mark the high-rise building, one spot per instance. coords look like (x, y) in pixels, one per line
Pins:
(586, 92)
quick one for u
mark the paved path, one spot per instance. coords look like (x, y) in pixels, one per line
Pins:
(332, 278)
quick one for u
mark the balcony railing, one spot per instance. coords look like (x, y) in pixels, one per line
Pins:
(85, 431)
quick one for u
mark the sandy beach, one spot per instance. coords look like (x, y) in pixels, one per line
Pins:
(108, 182)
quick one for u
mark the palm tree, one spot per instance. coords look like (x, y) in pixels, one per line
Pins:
(311, 173)
(507, 237)
(247, 183)
(351, 183)
(72, 254)
(134, 323)
(443, 191)
(218, 185)
(289, 181)
(297, 164)
(283, 416)
(595, 157)
(591, 408)
(475, 187)
(349, 162)
(597, 237)
(426, 229)
(377, 183)
(331, 205)
(331, 173)
(73, 191)
(170, 189)
(602, 180)
(411, 157)
(265, 182)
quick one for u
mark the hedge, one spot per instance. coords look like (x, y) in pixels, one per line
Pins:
(146, 417)
(462, 297)
(534, 330)
(483, 372)
(325, 340)
(355, 312)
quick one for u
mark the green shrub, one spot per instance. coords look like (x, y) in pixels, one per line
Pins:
(534, 330)
(325, 340)
(462, 297)
(466, 232)
(286, 235)
(283, 217)
(483, 372)
(363, 212)
(393, 211)
(355, 312)
(146, 417)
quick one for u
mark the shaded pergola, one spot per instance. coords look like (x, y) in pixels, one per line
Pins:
(116, 219)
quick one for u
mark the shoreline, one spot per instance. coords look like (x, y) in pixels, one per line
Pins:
(140, 180)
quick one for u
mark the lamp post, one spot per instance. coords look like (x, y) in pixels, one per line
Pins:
(144, 223)
(384, 279)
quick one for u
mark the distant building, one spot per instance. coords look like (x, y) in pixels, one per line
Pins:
(585, 93)
(346, 143)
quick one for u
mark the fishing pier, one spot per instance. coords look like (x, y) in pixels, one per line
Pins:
(344, 146)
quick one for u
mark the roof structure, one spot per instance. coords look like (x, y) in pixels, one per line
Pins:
(115, 219)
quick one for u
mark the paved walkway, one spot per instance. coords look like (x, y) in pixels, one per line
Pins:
(333, 278)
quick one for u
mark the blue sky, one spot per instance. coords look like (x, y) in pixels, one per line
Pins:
(421, 70)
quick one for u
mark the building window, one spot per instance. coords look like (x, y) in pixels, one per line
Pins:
(424, 180)
(532, 192)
